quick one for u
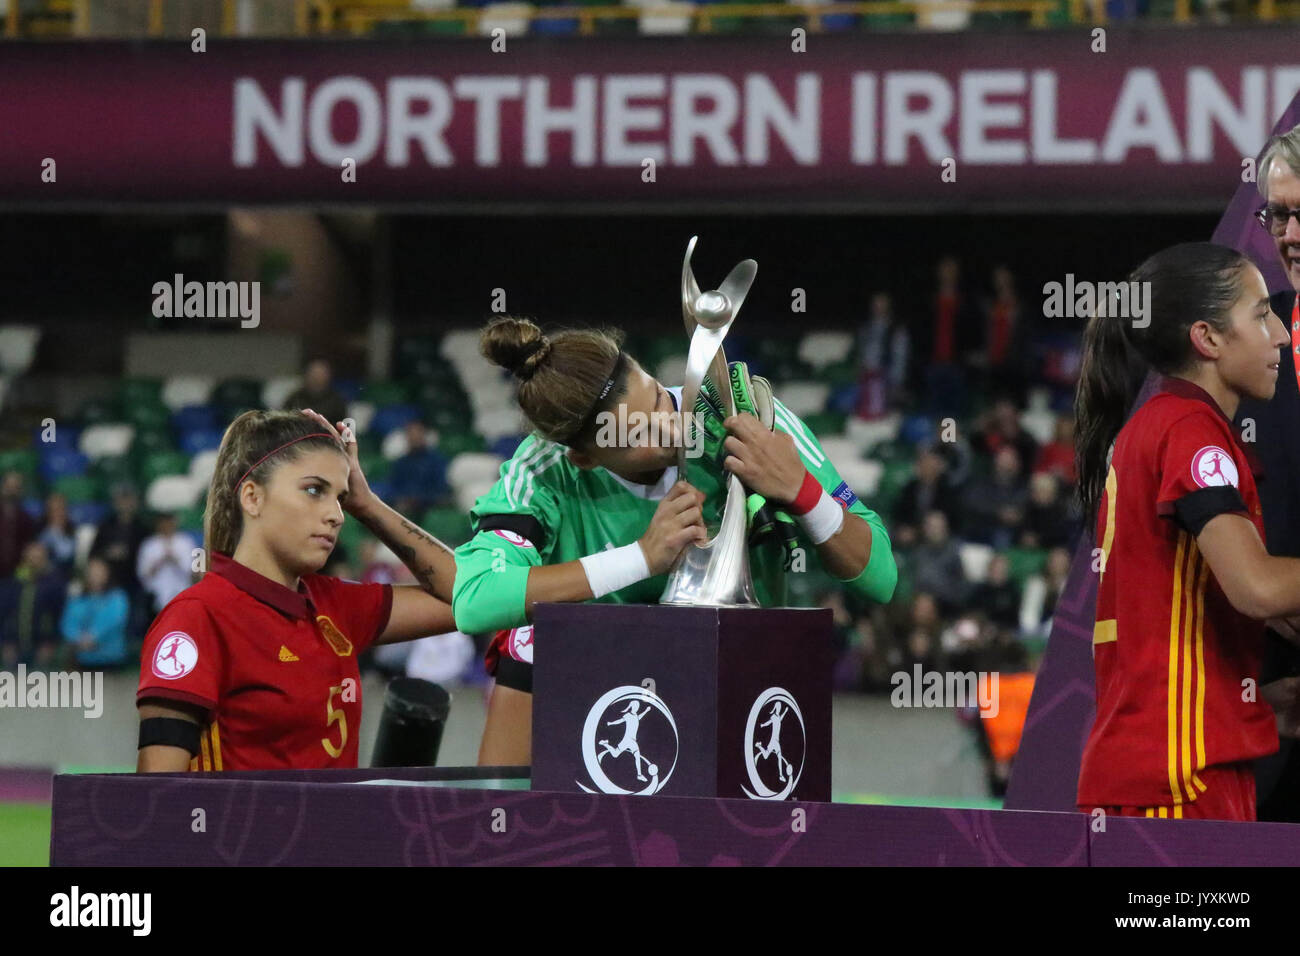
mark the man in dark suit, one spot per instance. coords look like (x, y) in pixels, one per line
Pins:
(1277, 444)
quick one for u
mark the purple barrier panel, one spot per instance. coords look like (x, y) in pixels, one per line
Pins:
(1046, 771)
(25, 784)
(130, 820)
(1133, 841)
(684, 701)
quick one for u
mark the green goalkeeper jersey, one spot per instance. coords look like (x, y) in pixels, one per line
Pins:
(545, 510)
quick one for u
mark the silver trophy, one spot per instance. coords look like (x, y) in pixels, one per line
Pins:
(716, 573)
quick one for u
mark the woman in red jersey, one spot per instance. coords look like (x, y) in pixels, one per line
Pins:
(255, 666)
(1186, 584)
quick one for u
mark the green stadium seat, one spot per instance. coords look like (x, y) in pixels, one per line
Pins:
(841, 373)
(140, 391)
(149, 441)
(385, 393)
(453, 444)
(161, 463)
(1024, 563)
(79, 489)
(449, 525)
(114, 469)
(98, 411)
(825, 424)
(151, 415)
(375, 467)
(237, 394)
(23, 460)
(191, 519)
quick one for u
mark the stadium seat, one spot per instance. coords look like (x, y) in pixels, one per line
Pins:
(385, 393)
(466, 495)
(498, 422)
(803, 398)
(390, 417)
(975, 559)
(459, 345)
(106, 440)
(449, 525)
(394, 445)
(18, 348)
(508, 16)
(172, 493)
(87, 528)
(826, 424)
(139, 391)
(452, 444)
(505, 446)
(377, 467)
(276, 391)
(88, 512)
(843, 399)
(181, 390)
(363, 413)
(841, 451)
(59, 461)
(863, 476)
(22, 460)
(191, 520)
(203, 466)
(1024, 563)
(97, 411)
(162, 463)
(147, 414)
(869, 434)
(820, 349)
(235, 395)
(473, 468)
(147, 441)
(78, 488)
(195, 417)
(114, 470)
(665, 18)
(200, 440)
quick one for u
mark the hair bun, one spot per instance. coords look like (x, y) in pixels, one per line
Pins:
(515, 344)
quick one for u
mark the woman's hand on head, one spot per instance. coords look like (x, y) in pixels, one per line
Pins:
(677, 522)
(359, 495)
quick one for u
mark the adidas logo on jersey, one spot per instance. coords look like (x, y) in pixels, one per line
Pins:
(286, 654)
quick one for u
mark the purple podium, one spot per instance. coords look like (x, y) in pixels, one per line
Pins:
(683, 701)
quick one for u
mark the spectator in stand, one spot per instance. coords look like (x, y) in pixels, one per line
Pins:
(884, 350)
(1048, 521)
(1057, 456)
(950, 338)
(16, 526)
(31, 603)
(166, 561)
(1005, 345)
(936, 564)
(994, 507)
(930, 489)
(922, 643)
(118, 539)
(317, 393)
(1001, 426)
(58, 535)
(419, 477)
(1041, 594)
(94, 622)
(997, 597)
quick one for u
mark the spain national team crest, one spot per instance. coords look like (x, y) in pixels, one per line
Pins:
(775, 743)
(334, 637)
(1213, 467)
(629, 742)
(175, 656)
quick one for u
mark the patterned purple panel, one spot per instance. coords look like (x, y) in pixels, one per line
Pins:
(132, 820)
(1141, 842)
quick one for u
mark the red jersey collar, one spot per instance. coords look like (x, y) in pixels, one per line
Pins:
(291, 603)
(1185, 389)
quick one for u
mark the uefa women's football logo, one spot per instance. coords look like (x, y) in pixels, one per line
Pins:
(629, 742)
(175, 656)
(1213, 467)
(773, 758)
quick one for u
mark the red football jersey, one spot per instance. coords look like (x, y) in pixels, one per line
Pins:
(275, 669)
(1175, 661)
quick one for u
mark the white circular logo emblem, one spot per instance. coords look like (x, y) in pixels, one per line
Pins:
(176, 656)
(772, 768)
(521, 643)
(1212, 466)
(517, 540)
(629, 742)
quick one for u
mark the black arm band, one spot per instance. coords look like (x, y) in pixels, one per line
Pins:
(170, 732)
(1195, 510)
(526, 526)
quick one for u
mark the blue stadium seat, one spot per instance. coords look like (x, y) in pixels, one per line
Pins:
(554, 28)
(200, 439)
(382, 488)
(35, 508)
(88, 512)
(349, 388)
(390, 417)
(61, 459)
(504, 447)
(69, 436)
(916, 429)
(194, 417)
(843, 399)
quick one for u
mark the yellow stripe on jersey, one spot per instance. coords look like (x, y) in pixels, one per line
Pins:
(203, 748)
(1175, 623)
(1200, 677)
(216, 746)
(1185, 687)
(1109, 535)
(1103, 632)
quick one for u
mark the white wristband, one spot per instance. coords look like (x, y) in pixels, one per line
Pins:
(824, 520)
(609, 571)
